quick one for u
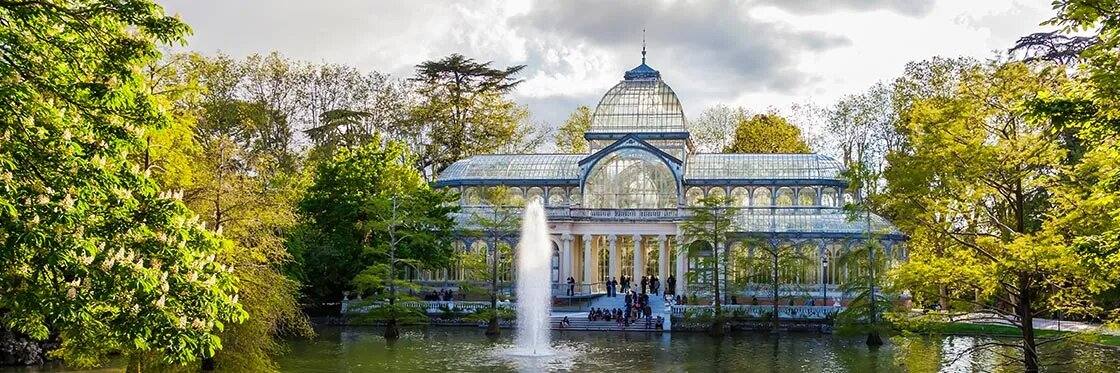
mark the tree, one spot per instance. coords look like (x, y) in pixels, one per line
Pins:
(499, 220)
(346, 213)
(243, 194)
(978, 172)
(413, 220)
(772, 267)
(766, 133)
(569, 138)
(462, 109)
(707, 229)
(711, 131)
(94, 253)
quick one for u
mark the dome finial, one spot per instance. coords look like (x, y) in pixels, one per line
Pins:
(643, 45)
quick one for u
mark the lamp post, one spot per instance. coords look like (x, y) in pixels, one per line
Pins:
(824, 283)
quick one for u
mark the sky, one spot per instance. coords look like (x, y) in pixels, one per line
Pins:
(758, 54)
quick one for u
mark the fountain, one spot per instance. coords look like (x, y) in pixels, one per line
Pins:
(534, 288)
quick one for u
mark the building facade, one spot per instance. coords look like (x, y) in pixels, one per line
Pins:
(619, 208)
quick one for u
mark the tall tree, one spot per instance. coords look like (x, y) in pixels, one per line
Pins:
(711, 132)
(977, 161)
(242, 193)
(569, 138)
(345, 212)
(94, 253)
(499, 220)
(766, 133)
(773, 264)
(707, 231)
(462, 109)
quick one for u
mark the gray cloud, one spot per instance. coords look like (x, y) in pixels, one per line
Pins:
(716, 45)
(913, 8)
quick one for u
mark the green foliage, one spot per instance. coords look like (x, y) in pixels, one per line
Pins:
(485, 314)
(402, 314)
(707, 229)
(463, 110)
(94, 254)
(711, 131)
(569, 138)
(766, 133)
(236, 183)
(356, 200)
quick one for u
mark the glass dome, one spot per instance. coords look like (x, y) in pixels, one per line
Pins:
(639, 105)
(630, 178)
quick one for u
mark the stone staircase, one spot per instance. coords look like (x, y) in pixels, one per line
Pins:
(579, 320)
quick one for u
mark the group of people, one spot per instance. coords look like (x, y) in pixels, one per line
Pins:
(648, 284)
(445, 295)
(637, 309)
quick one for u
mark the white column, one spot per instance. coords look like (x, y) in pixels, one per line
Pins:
(682, 265)
(565, 257)
(639, 262)
(662, 259)
(588, 265)
(612, 258)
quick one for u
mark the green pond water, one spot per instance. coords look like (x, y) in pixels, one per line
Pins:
(462, 349)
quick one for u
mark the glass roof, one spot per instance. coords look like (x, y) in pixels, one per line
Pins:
(639, 105)
(514, 166)
(821, 221)
(761, 166)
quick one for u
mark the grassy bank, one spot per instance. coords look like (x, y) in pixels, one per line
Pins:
(1008, 331)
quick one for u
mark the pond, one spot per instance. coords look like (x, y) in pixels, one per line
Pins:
(464, 349)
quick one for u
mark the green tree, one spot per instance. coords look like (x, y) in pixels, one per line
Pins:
(569, 138)
(346, 211)
(707, 232)
(413, 220)
(244, 195)
(766, 133)
(94, 253)
(978, 161)
(498, 220)
(462, 109)
(773, 264)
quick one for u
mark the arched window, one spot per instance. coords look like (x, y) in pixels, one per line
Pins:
(534, 192)
(716, 192)
(761, 197)
(692, 198)
(740, 197)
(472, 197)
(828, 197)
(630, 178)
(557, 197)
(575, 199)
(784, 198)
(516, 196)
(807, 197)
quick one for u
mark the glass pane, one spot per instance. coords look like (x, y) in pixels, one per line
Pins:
(630, 178)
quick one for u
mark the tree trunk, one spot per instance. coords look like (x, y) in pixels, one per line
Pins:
(944, 298)
(492, 328)
(392, 331)
(1026, 318)
(775, 323)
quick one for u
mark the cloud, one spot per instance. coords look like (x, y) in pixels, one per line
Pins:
(718, 46)
(913, 8)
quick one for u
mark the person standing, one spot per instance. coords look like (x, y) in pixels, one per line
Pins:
(671, 285)
(610, 287)
(645, 284)
(655, 285)
(571, 286)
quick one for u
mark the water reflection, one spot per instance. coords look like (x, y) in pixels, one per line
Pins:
(440, 349)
